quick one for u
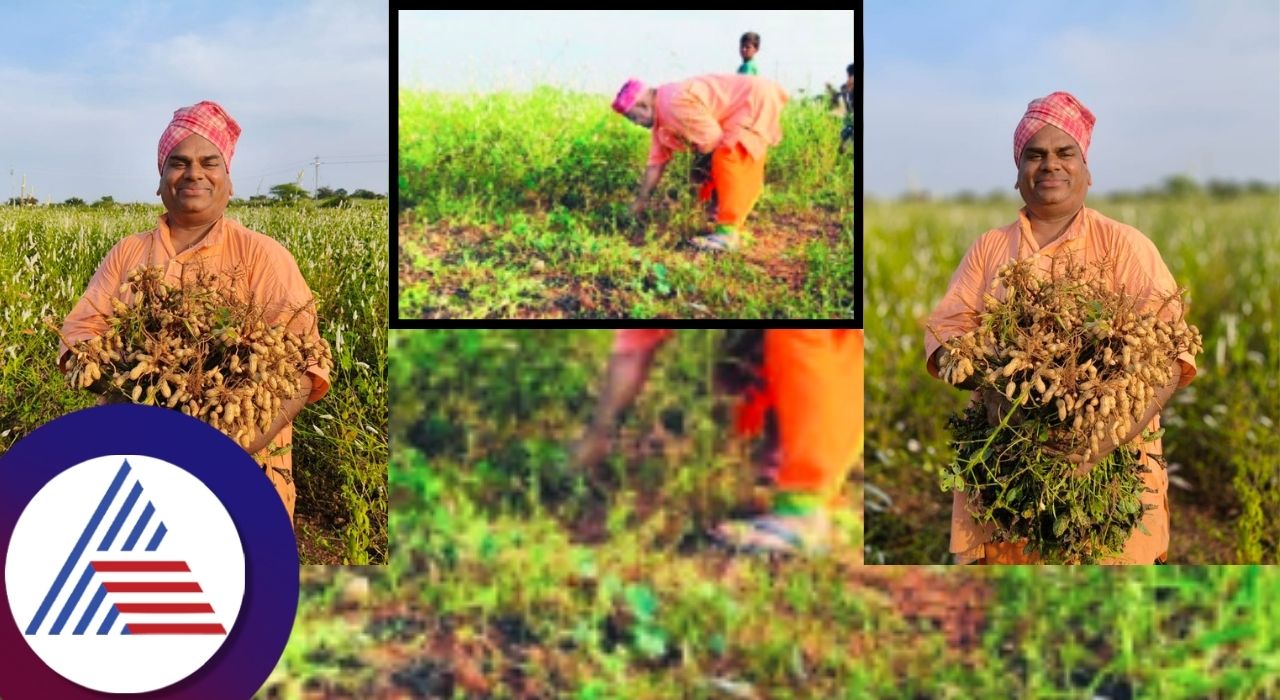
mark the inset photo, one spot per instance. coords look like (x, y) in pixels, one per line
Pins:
(648, 495)
(1075, 334)
(625, 164)
(187, 228)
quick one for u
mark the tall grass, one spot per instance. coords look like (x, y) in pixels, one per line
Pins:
(340, 443)
(517, 205)
(475, 154)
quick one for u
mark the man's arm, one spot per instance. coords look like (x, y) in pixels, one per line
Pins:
(1106, 446)
(289, 409)
(624, 378)
(652, 175)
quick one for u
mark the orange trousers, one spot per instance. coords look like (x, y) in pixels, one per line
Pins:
(737, 180)
(814, 381)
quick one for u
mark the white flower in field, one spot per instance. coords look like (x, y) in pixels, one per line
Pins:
(913, 445)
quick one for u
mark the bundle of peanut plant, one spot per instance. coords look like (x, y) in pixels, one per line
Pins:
(198, 348)
(1075, 366)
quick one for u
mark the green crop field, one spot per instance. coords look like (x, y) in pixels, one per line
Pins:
(340, 442)
(512, 576)
(1221, 436)
(516, 205)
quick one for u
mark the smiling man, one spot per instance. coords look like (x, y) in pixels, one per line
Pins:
(193, 235)
(1050, 150)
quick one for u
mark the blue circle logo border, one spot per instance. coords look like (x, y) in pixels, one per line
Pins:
(258, 638)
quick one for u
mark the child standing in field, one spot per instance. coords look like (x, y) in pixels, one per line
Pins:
(748, 45)
(845, 97)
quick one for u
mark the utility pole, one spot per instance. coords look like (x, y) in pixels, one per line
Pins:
(317, 187)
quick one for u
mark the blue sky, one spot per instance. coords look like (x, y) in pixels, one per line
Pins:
(597, 50)
(1177, 87)
(86, 88)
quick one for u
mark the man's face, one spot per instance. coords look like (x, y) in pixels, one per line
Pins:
(195, 182)
(1052, 175)
(641, 112)
(748, 51)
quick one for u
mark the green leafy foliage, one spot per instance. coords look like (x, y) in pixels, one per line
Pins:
(518, 205)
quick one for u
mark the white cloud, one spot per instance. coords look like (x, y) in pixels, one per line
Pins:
(596, 50)
(1200, 97)
(304, 82)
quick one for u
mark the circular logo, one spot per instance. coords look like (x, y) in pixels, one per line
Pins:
(144, 554)
(125, 545)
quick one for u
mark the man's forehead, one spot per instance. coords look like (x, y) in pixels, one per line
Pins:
(1050, 136)
(195, 146)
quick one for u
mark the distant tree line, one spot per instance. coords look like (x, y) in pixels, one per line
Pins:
(1174, 186)
(287, 193)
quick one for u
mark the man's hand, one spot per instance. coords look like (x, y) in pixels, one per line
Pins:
(997, 407)
(969, 384)
(1106, 446)
(109, 398)
(626, 375)
(589, 451)
(652, 175)
(288, 411)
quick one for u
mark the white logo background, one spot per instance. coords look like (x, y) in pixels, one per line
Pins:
(199, 531)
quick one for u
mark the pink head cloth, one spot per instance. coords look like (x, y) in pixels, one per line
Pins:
(1060, 109)
(627, 96)
(207, 119)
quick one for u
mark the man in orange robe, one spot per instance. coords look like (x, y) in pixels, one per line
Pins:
(733, 117)
(1051, 145)
(194, 160)
(813, 381)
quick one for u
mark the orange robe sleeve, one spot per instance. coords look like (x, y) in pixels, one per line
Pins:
(285, 298)
(957, 311)
(1141, 270)
(88, 319)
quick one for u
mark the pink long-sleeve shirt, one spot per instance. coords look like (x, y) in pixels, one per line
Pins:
(714, 111)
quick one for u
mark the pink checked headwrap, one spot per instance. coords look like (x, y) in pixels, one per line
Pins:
(1060, 109)
(206, 119)
(627, 96)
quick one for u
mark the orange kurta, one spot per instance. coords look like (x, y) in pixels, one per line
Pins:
(1137, 268)
(261, 270)
(814, 380)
